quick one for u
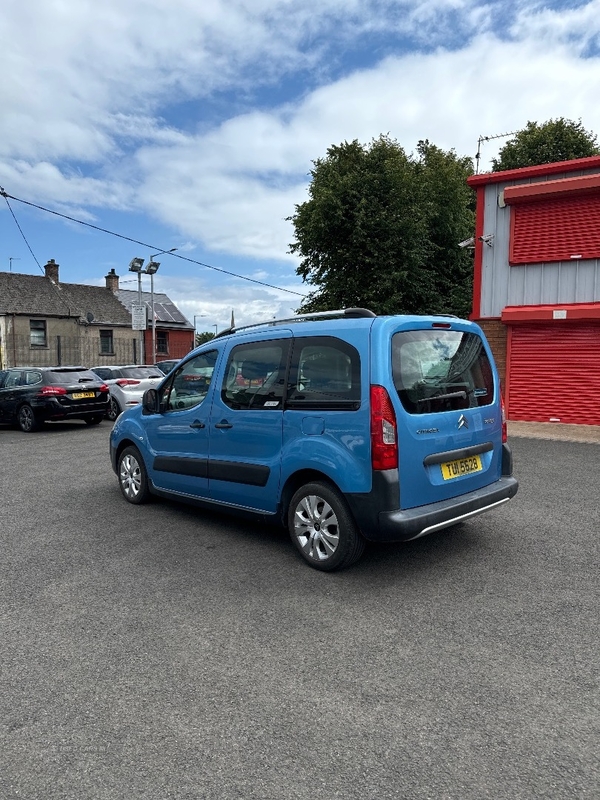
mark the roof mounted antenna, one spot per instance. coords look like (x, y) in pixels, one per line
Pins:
(488, 139)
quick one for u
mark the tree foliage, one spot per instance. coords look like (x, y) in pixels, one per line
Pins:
(203, 337)
(556, 140)
(380, 229)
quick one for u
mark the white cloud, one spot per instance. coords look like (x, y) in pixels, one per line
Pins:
(233, 186)
(86, 115)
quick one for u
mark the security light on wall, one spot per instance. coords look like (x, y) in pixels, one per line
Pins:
(467, 242)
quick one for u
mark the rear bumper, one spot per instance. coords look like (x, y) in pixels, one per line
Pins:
(404, 525)
(380, 519)
(52, 409)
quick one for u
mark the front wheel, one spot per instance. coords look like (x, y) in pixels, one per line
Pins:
(133, 479)
(26, 420)
(113, 410)
(323, 529)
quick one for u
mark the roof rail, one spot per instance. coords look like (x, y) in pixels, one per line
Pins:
(348, 313)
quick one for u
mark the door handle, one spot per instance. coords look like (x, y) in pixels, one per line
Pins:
(223, 424)
(197, 424)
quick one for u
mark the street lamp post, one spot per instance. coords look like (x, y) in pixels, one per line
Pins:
(151, 268)
(136, 265)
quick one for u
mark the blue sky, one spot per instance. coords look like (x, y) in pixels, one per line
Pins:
(194, 124)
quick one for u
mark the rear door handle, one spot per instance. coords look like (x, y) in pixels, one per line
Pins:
(197, 424)
(223, 424)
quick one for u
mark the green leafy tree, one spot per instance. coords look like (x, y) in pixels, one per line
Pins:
(201, 338)
(556, 140)
(377, 226)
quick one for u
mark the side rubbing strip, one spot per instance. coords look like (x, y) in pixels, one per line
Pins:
(198, 467)
(236, 472)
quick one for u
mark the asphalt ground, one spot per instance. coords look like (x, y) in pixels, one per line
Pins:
(162, 652)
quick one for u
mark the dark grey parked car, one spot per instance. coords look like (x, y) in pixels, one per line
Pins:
(30, 396)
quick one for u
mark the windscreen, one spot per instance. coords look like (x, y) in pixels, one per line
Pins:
(441, 370)
(141, 372)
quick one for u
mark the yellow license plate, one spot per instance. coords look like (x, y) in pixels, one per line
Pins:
(81, 395)
(462, 466)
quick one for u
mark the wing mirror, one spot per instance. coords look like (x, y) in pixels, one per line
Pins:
(150, 402)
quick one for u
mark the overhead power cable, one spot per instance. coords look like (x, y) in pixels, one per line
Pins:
(56, 288)
(142, 244)
(6, 196)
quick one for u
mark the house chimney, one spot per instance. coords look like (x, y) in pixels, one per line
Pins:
(51, 269)
(112, 281)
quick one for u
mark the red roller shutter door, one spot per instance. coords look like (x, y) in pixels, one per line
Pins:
(555, 230)
(554, 373)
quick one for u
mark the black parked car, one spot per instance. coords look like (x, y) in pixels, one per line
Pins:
(31, 396)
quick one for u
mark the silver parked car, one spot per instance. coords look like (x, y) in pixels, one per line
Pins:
(127, 385)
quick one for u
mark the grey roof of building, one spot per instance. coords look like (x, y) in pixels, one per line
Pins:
(33, 294)
(165, 311)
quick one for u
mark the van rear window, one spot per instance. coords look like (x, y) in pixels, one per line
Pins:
(441, 370)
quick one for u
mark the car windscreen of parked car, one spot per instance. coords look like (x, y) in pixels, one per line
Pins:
(141, 372)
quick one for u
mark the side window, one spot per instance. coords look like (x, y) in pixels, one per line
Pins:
(255, 376)
(32, 377)
(103, 374)
(14, 379)
(188, 385)
(325, 374)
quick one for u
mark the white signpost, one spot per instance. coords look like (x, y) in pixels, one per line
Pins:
(138, 317)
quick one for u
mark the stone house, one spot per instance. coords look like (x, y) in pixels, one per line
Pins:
(44, 322)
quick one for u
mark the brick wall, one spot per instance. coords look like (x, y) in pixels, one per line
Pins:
(496, 334)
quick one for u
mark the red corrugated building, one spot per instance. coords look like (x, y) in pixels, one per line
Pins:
(536, 290)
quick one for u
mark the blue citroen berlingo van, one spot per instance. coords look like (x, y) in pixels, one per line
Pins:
(343, 425)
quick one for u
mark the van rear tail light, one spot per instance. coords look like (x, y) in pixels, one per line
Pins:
(51, 391)
(127, 382)
(504, 425)
(384, 435)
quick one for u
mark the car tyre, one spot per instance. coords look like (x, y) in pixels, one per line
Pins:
(133, 478)
(322, 528)
(26, 419)
(93, 420)
(113, 410)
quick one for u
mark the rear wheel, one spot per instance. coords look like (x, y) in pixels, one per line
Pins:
(26, 420)
(323, 529)
(113, 410)
(133, 479)
(93, 420)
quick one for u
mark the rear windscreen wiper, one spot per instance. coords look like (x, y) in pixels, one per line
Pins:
(449, 396)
